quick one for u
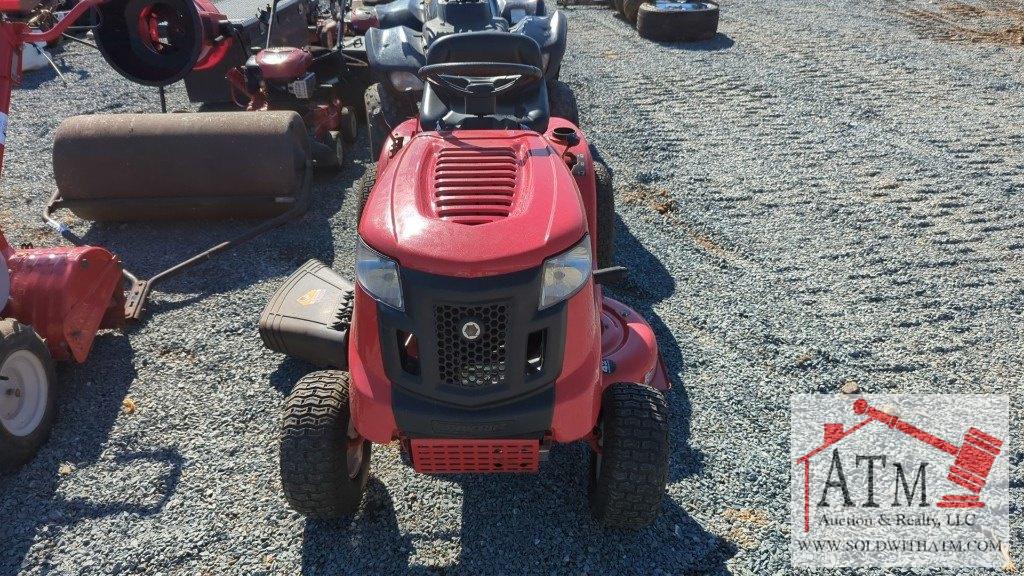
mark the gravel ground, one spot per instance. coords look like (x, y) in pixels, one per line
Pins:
(824, 193)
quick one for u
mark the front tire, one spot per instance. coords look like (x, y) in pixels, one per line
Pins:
(27, 394)
(628, 477)
(324, 463)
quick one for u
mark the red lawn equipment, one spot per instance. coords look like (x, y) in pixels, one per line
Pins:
(54, 299)
(283, 55)
(310, 78)
(476, 334)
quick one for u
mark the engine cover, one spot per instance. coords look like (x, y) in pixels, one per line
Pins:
(473, 203)
(283, 64)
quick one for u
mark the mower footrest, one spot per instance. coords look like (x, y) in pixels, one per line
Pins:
(444, 456)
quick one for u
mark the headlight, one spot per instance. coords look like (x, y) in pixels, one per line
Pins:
(378, 276)
(566, 273)
(406, 81)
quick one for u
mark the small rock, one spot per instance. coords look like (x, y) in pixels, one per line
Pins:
(665, 207)
(850, 387)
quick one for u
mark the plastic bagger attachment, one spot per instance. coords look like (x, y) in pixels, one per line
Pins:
(309, 317)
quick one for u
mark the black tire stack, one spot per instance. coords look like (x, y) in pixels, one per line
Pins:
(671, 20)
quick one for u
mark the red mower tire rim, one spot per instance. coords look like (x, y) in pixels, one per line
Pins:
(24, 393)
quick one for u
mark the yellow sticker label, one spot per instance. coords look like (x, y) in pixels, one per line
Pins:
(311, 297)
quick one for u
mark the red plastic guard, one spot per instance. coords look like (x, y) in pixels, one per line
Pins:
(476, 456)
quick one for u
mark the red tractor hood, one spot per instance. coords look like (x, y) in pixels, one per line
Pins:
(474, 203)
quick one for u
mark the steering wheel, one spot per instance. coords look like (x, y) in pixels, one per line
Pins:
(480, 79)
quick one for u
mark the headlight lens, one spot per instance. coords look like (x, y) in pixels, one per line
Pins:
(406, 81)
(378, 276)
(566, 273)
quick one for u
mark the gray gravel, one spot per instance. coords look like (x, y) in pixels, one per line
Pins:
(821, 194)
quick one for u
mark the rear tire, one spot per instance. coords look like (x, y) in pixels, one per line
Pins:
(605, 215)
(27, 396)
(384, 112)
(336, 159)
(663, 21)
(349, 127)
(562, 102)
(627, 480)
(365, 186)
(324, 464)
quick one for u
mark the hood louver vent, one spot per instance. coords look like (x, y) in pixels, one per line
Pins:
(475, 186)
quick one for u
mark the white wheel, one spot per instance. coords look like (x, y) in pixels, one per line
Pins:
(24, 391)
(26, 394)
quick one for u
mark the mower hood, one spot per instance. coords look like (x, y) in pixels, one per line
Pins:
(474, 203)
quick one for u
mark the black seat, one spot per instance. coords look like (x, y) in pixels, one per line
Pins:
(525, 109)
(408, 13)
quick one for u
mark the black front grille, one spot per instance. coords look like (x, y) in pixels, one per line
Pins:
(467, 361)
(434, 367)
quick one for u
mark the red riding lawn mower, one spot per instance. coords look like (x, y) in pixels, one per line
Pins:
(476, 334)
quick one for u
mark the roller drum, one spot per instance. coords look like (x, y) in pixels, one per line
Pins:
(121, 167)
